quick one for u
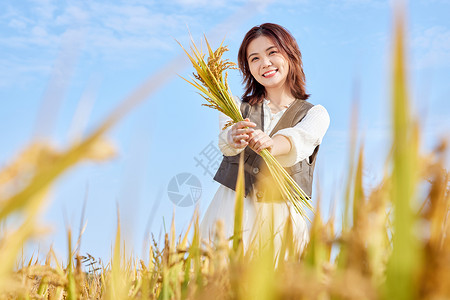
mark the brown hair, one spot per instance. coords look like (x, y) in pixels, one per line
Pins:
(285, 42)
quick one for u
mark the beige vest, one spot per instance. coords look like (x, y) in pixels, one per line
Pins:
(257, 177)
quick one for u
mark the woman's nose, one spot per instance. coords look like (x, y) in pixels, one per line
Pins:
(266, 61)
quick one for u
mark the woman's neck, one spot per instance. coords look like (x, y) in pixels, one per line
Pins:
(279, 97)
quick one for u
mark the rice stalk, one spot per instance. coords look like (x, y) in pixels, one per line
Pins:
(239, 209)
(406, 257)
(72, 293)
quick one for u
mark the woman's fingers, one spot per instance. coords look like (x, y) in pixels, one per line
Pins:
(265, 145)
(240, 133)
(260, 140)
(243, 124)
(244, 131)
(261, 145)
(238, 137)
(241, 144)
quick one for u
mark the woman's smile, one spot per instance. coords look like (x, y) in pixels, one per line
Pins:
(269, 74)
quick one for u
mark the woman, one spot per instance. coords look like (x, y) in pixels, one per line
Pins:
(278, 118)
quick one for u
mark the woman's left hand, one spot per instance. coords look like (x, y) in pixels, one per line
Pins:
(259, 140)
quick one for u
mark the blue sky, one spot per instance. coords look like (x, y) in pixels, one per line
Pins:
(63, 57)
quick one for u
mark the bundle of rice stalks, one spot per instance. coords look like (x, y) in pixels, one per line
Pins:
(211, 80)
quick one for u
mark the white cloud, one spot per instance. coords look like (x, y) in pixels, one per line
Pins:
(32, 32)
(17, 24)
(70, 15)
(347, 4)
(431, 48)
(124, 19)
(436, 1)
(209, 3)
(111, 31)
(45, 9)
(38, 32)
(24, 69)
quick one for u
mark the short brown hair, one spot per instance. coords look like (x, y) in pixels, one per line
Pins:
(254, 91)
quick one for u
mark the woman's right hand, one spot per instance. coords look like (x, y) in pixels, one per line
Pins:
(239, 133)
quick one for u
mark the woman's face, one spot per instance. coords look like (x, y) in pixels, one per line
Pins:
(267, 65)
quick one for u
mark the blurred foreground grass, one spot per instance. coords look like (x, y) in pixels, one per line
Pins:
(394, 244)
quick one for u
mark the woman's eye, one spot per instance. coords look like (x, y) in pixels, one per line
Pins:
(254, 59)
(272, 52)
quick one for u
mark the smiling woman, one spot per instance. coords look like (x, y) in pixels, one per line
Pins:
(277, 119)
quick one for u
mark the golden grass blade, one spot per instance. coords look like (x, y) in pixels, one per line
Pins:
(48, 165)
(117, 283)
(317, 253)
(351, 162)
(71, 285)
(10, 245)
(172, 232)
(239, 208)
(12, 242)
(260, 280)
(405, 259)
(358, 191)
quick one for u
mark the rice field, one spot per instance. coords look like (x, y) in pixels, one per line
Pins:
(394, 242)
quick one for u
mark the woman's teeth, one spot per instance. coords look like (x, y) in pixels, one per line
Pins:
(269, 73)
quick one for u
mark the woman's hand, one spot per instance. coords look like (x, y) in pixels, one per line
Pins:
(239, 133)
(260, 140)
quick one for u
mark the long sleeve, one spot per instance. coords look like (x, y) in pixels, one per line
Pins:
(305, 136)
(224, 145)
